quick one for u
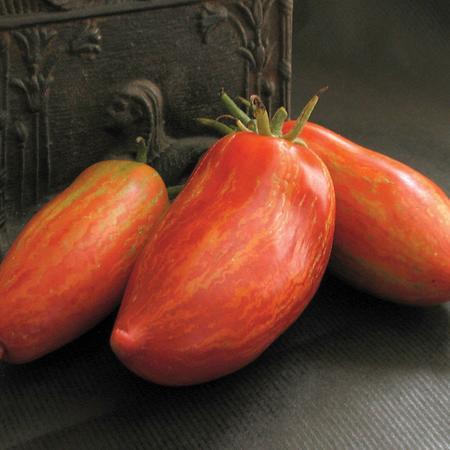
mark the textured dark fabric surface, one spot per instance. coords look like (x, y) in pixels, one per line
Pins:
(353, 372)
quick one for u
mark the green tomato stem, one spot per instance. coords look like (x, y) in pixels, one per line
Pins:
(261, 116)
(245, 102)
(216, 125)
(304, 117)
(261, 124)
(233, 108)
(300, 141)
(278, 119)
(242, 127)
(252, 125)
(142, 153)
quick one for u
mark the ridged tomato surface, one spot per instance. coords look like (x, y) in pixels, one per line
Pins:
(392, 223)
(233, 263)
(68, 267)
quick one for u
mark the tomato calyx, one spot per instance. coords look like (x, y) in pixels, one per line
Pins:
(260, 122)
(142, 157)
(142, 153)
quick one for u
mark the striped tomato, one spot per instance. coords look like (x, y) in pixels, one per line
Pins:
(68, 267)
(392, 223)
(392, 234)
(234, 262)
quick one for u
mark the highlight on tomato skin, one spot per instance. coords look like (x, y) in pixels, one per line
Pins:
(392, 235)
(231, 266)
(68, 267)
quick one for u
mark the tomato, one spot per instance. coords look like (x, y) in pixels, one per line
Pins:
(68, 267)
(233, 263)
(392, 223)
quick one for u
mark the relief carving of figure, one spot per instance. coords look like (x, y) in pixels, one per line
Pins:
(136, 110)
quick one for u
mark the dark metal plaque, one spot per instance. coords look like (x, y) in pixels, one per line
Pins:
(81, 79)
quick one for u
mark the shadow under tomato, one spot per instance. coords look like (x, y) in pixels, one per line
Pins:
(82, 393)
(365, 330)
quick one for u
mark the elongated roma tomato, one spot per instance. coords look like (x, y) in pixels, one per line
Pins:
(392, 223)
(68, 267)
(233, 263)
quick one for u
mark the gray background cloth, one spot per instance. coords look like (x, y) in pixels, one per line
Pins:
(353, 372)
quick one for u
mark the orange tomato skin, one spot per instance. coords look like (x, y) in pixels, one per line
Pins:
(233, 263)
(392, 234)
(68, 267)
